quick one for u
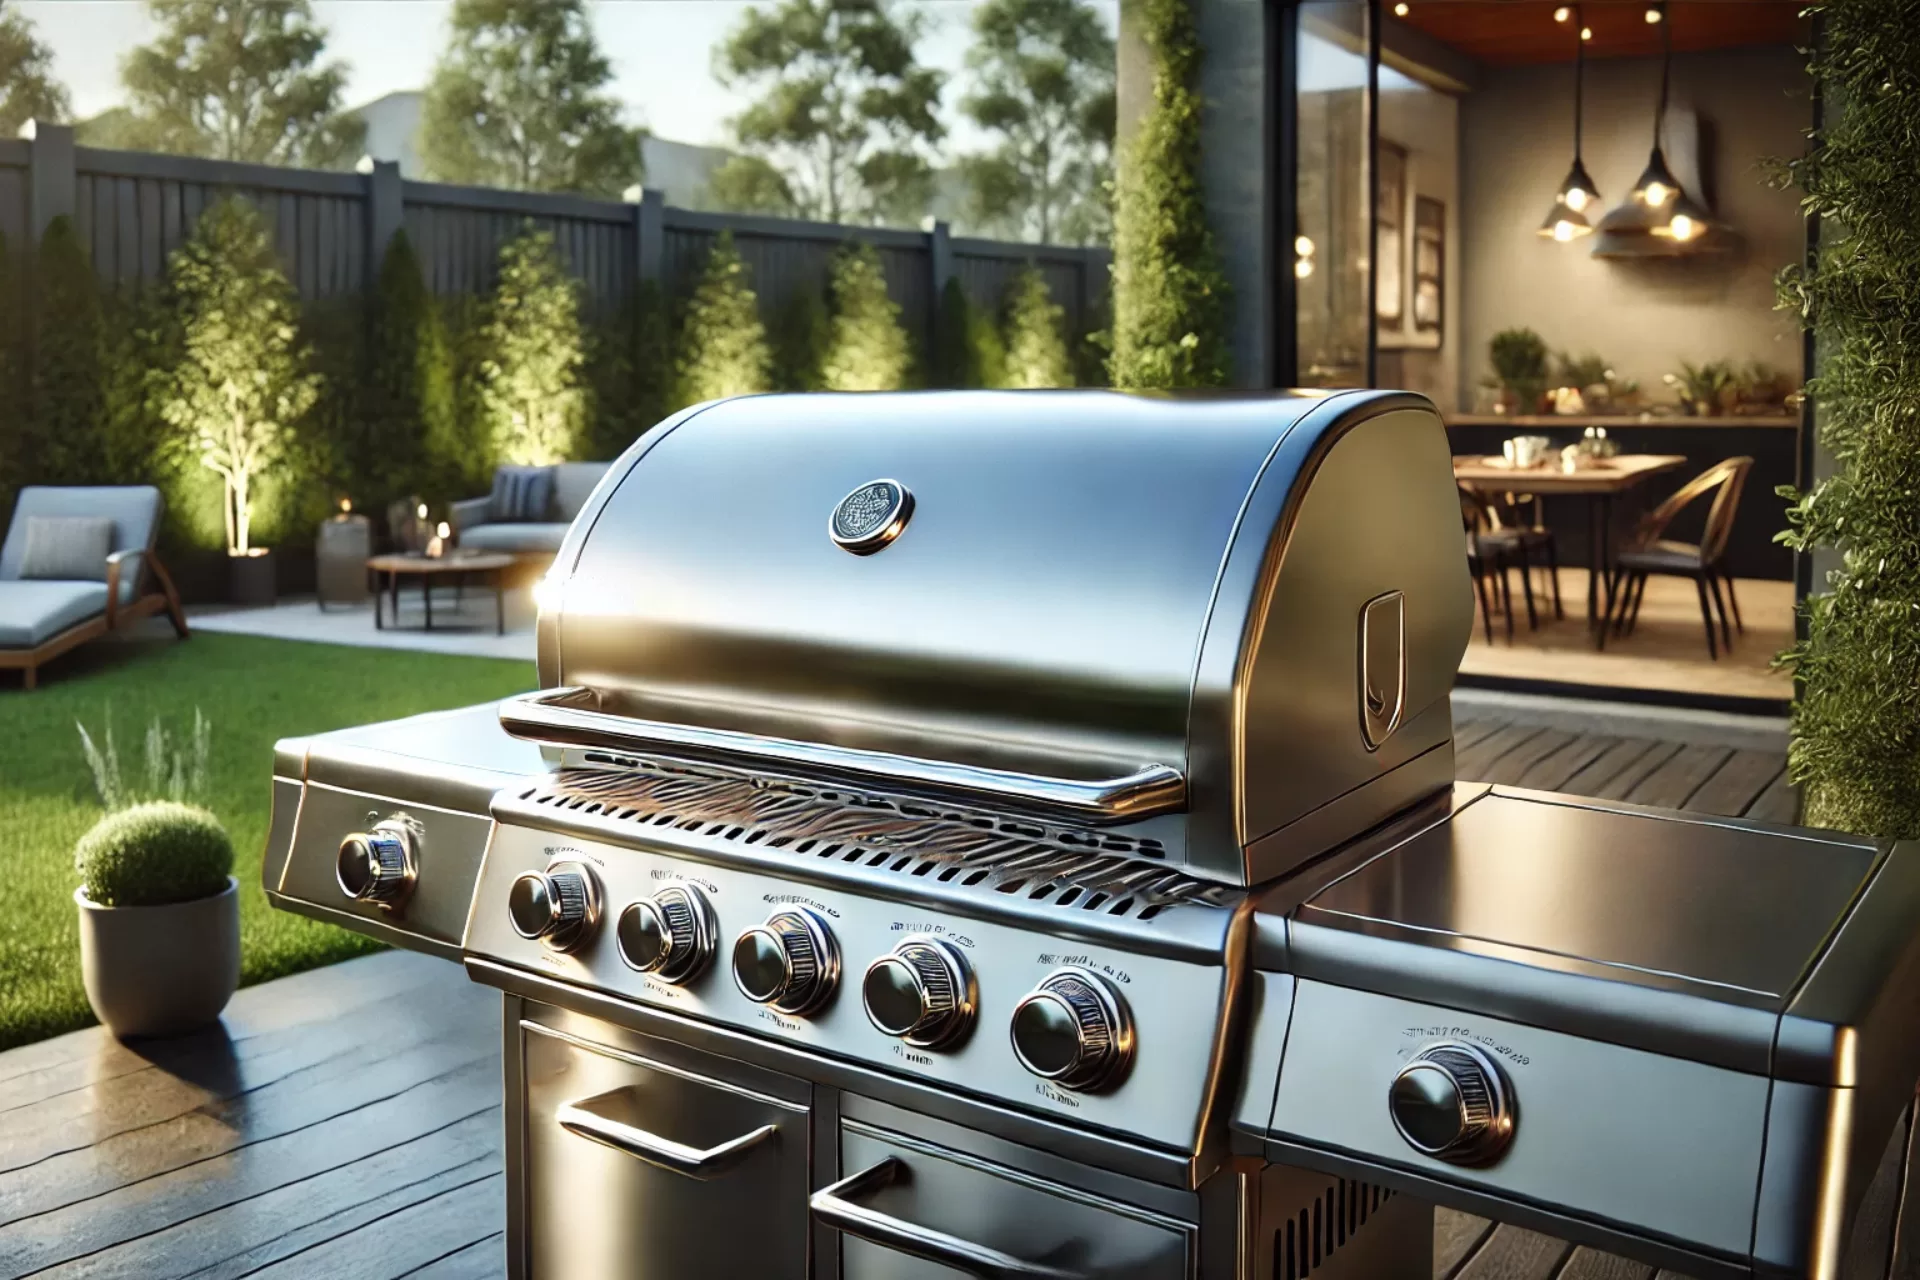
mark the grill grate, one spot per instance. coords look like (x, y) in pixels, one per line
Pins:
(1068, 869)
(1307, 1242)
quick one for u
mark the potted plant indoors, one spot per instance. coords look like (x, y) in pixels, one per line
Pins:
(1519, 359)
(159, 918)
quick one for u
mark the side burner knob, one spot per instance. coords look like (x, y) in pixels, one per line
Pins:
(377, 865)
(559, 906)
(921, 992)
(1074, 1030)
(669, 935)
(791, 962)
(1451, 1102)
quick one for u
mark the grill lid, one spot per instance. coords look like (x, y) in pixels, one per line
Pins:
(1052, 603)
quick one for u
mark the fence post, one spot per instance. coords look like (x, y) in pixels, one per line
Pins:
(649, 234)
(50, 180)
(940, 267)
(386, 214)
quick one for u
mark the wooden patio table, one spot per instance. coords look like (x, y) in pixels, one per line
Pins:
(1598, 482)
(491, 566)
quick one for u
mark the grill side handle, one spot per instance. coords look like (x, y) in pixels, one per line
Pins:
(545, 716)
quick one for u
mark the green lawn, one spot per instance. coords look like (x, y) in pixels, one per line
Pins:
(253, 691)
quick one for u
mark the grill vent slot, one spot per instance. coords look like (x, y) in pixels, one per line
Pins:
(1306, 1242)
(1061, 868)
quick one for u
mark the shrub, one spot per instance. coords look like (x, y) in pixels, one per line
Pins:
(630, 372)
(460, 462)
(970, 353)
(1519, 359)
(867, 349)
(1036, 344)
(154, 854)
(66, 397)
(13, 401)
(175, 769)
(238, 385)
(531, 391)
(723, 345)
(409, 398)
(1169, 293)
(1856, 722)
(802, 340)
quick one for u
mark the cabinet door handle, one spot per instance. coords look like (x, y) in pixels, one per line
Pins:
(578, 1119)
(834, 1207)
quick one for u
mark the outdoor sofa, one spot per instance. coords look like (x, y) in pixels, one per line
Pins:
(78, 563)
(528, 512)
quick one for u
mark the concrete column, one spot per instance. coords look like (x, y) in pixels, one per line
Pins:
(50, 181)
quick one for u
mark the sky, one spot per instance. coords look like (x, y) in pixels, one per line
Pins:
(660, 50)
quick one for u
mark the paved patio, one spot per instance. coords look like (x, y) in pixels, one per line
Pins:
(346, 1122)
(463, 626)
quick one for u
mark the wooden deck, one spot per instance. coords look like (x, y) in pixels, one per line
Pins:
(346, 1122)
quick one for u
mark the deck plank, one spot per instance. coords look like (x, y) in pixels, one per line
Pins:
(1591, 1264)
(1514, 1253)
(1739, 781)
(402, 1241)
(1455, 1237)
(1551, 772)
(1474, 762)
(1674, 782)
(1780, 802)
(481, 1260)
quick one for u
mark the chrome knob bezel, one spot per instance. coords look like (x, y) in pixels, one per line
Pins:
(944, 983)
(1104, 1028)
(391, 860)
(687, 922)
(573, 894)
(1486, 1103)
(810, 955)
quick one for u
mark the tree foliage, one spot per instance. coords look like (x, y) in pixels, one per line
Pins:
(1169, 293)
(801, 342)
(751, 184)
(867, 350)
(844, 111)
(28, 89)
(238, 385)
(1036, 335)
(68, 354)
(1044, 83)
(531, 393)
(408, 409)
(969, 353)
(723, 344)
(238, 80)
(631, 361)
(1856, 724)
(519, 100)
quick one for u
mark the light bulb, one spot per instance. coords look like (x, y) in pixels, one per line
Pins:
(1576, 198)
(1400, 10)
(1586, 33)
(1563, 230)
(1303, 268)
(1658, 193)
(1562, 13)
(1654, 14)
(422, 512)
(1683, 227)
(1303, 246)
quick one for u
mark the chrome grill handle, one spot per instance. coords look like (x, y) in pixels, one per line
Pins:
(577, 1118)
(834, 1207)
(544, 717)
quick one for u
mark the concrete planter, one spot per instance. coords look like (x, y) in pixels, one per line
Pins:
(251, 579)
(158, 971)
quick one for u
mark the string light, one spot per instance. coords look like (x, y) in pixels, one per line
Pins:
(1656, 12)
(1400, 10)
(1562, 13)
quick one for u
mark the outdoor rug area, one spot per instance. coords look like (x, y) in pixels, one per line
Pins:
(346, 1121)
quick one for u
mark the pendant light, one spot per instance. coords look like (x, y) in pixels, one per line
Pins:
(1656, 185)
(1659, 218)
(1567, 219)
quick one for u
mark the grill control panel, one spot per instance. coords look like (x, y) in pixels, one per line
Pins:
(1081, 1032)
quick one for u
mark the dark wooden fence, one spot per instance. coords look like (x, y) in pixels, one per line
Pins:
(132, 209)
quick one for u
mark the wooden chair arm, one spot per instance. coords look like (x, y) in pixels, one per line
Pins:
(158, 568)
(114, 561)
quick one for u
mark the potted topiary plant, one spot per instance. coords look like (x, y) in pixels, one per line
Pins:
(159, 918)
(1519, 359)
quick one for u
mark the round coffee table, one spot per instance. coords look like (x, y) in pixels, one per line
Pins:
(432, 570)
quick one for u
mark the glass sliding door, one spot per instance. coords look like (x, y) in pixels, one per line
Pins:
(1332, 250)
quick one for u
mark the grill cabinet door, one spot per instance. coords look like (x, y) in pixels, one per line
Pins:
(908, 1210)
(639, 1170)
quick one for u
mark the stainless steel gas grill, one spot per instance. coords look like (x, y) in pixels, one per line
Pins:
(1014, 835)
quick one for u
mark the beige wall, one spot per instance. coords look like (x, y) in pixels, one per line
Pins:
(1643, 316)
(1426, 123)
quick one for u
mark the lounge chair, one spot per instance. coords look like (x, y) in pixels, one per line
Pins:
(78, 563)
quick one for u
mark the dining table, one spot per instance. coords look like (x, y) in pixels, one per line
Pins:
(1598, 480)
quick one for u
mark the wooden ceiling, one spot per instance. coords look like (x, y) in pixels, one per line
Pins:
(1510, 33)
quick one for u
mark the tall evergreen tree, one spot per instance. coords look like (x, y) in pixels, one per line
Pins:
(28, 89)
(722, 349)
(531, 388)
(867, 350)
(844, 112)
(803, 338)
(631, 372)
(1036, 339)
(239, 80)
(68, 345)
(409, 399)
(1044, 83)
(519, 100)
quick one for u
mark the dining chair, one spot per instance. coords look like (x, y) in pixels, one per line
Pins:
(1704, 561)
(1493, 549)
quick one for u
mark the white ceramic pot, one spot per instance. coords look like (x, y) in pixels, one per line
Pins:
(159, 971)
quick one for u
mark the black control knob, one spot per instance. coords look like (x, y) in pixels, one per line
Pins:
(922, 992)
(377, 865)
(1452, 1102)
(1074, 1030)
(791, 962)
(669, 935)
(559, 906)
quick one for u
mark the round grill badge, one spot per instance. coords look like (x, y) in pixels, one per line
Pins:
(871, 516)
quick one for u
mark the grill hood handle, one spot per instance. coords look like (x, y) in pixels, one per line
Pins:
(834, 1207)
(545, 717)
(578, 1119)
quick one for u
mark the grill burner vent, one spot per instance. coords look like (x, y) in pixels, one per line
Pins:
(1067, 869)
(1307, 1242)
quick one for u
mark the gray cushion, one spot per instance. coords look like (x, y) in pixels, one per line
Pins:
(67, 548)
(34, 611)
(543, 538)
(572, 485)
(135, 510)
(520, 494)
